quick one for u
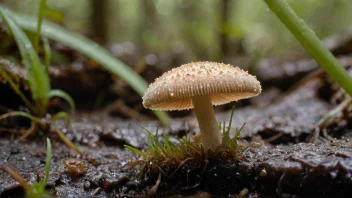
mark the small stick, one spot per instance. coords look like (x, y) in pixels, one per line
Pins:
(15, 176)
(68, 142)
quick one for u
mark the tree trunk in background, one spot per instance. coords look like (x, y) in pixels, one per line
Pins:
(99, 22)
(188, 16)
(149, 21)
(228, 47)
(224, 19)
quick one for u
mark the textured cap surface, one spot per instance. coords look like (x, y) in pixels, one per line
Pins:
(174, 89)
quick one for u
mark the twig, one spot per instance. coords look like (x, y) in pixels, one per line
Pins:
(29, 132)
(274, 137)
(68, 142)
(15, 176)
(16, 131)
(120, 106)
(326, 120)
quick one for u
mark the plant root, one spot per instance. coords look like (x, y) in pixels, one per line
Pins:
(154, 189)
(66, 141)
(29, 132)
(13, 173)
(15, 131)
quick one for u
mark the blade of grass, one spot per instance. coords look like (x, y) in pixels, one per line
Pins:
(61, 114)
(231, 118)
(21, 113)
(38, 80)
(53, 15)
(47, 161)
(68, 142)
(38, 189)
(42, 7)
(238, 132)
(311, 43)
(16, 89)
(47, 56)
(90, 49)
(137, 151)
(16, 176)
(63, 95)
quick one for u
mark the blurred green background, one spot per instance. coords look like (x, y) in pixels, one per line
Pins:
(200, 30)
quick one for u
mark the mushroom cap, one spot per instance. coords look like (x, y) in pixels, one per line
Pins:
(174, 89)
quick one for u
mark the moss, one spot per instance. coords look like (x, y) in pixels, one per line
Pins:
(166, 157)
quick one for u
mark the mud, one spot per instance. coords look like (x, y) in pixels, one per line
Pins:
(300, 169)
(279, 124)
(294, 168)
(29, 159)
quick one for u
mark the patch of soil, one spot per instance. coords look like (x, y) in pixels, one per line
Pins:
(302, 169)
(295, 169)
(29, 159)
(283, 165)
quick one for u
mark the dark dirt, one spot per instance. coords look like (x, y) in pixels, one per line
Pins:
(301, 169)
(283, 119)
(296, 169)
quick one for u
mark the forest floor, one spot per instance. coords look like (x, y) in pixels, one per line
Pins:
(291, 152)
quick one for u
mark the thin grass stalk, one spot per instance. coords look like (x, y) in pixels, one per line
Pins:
(311, 43)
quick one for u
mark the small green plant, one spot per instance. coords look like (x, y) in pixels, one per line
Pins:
(167, 157)
(37, 78)
(35, 190)
(88, 48)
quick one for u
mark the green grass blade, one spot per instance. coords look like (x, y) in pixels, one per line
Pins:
(36, 190)
(167, 142)
(47, 161)
(136, 151)
(311, 43)
(47, 56)
(63, 95)
(53, 15)
(238, 131)
(231, 118)
(68, 142)
(42, 8)
(38, 80)
(61, 114)
(21, 113)
(15, 88)
(90, 49)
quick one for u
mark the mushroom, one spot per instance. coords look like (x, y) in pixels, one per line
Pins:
(201, 85)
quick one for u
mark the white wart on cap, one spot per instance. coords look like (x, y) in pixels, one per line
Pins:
(200, 85)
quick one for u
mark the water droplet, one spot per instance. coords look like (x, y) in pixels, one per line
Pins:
(28, 46)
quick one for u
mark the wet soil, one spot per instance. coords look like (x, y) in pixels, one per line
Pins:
(299, 169)
(292, 168)
(289, 153)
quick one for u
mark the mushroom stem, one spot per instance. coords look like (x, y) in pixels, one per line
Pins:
(209, 130)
